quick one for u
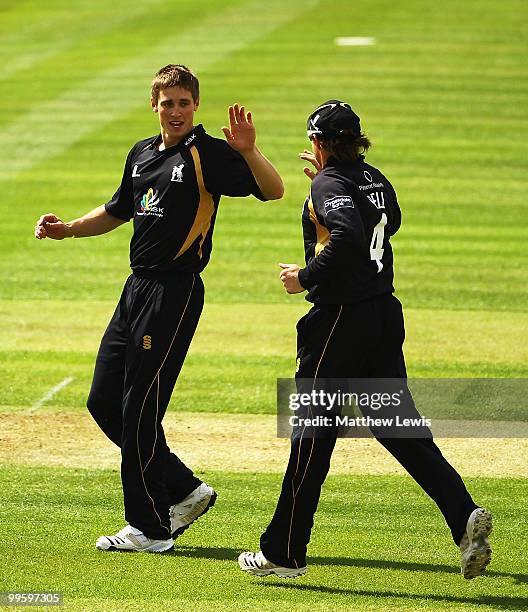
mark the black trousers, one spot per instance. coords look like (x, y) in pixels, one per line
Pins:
(140, 357)
(354, 341)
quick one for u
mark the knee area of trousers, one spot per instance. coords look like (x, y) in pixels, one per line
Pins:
(95, 405)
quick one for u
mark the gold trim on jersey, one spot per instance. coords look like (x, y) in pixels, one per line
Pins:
(205, 212)
(323, 236)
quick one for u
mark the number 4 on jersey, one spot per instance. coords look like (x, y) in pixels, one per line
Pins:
(376, 244)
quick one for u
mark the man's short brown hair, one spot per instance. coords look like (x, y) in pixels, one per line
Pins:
(175, 75)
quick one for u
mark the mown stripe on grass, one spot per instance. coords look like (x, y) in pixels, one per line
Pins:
(67, 119)
(26, 46)
(267, 330)
(238, 352)
(208, 383)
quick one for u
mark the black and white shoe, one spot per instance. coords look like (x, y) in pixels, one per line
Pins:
(475, 550)
(256, 564)
(196, 504)
(132, 539)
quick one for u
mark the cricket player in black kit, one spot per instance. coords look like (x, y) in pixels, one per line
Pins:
(171, 188)
(355, 330)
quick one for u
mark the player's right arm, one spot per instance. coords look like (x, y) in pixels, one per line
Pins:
(94, 223)
(100, 220)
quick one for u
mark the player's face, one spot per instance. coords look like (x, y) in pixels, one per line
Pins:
(176, 109)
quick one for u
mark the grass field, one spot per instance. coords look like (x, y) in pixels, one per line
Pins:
(364, 564)
(443, 95)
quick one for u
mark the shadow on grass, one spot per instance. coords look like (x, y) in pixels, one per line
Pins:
(501, 603)
(231, 554)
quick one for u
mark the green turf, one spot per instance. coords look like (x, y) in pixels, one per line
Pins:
(367, 552)
(232, 366)
(443, 96)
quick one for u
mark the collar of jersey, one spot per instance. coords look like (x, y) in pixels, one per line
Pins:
(186, 142)
(333, 161)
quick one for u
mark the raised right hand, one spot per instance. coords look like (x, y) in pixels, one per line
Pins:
(50, 226)
(310, 157)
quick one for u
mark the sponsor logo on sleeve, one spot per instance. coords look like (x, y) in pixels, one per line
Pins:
(338, 202)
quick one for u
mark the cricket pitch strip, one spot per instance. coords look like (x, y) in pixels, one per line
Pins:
(229, 442)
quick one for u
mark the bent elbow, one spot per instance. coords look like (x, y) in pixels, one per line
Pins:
(276, 194)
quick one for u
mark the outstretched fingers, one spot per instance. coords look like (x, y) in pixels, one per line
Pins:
(232, 117)
(238, 115)
(310, 157)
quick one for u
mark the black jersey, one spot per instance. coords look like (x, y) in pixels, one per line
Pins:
(347, 221)
(173, 197)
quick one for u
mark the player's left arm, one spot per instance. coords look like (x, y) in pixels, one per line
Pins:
(289, 274)
(241, 136)
(337, 211)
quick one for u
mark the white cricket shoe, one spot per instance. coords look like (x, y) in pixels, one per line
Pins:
(197, 503)
(257, 565)
(132, 539)
(475, 551)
